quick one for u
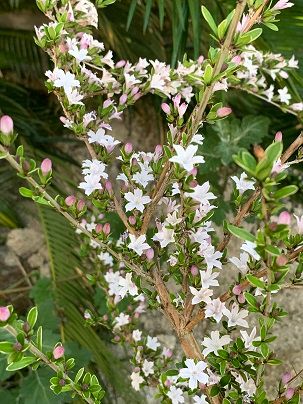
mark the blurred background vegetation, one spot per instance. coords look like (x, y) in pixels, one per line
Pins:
(155, 29)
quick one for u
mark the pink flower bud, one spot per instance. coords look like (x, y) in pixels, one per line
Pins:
(159, 149)
(182, 109)
(107, 103)
(108, 186)
(237, 290)
(80, 204)
(4, 313)
(194, 171)
(194, 270)
(132, 220)
(123, 99)
(165, 108)
(6, 125)
(58, 352)
(105, 317)
(241, 298)
(168, 353)
(193, 183)
(135, 90)
(200, 59)
(284, 218)
(137, 96)
(282, 260)
(70, 200)
(224, 111)
(106, 229)
(117, 338)
(98, 228)
(278, 137)
(46, 166)
(167, 383)
(136, 315)
(289, 393)
(237, 59)
(150, 254)
(286, 377)
(128, 148)
(120, 64)
(177, 100)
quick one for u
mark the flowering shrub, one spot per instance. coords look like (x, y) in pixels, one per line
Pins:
(169, 257)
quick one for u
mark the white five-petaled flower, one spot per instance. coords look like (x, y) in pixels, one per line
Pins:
(284, 95)
(208, 278)
(186, 157)
(152, 343)
(136, 380)
(201, 193)
(91, 183)
(127, 286)
(249, 247)
(200, 399)
(202, 295)
(241, 263)
(63, 79)
(236, 316)
(138, 244)
(74, 97)
(214, 309)
(249, 339)
(137, 335)
(176, 395)
(122, 319)
(194, 372)
(94, 167)
(165, 236)
(148, 368)
(79, 54)
(136, 200)
(212, 257)
(243, 183)
(214, 343)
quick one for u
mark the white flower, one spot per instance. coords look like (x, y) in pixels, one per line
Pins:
(214, 343)
(194, 372)
(214, 309)
(212, 257)
(236, 317)
(127, 286)
(284, 95)
(94, 167)
(200, 399)
(176, 395)
(74, 97)
(138, 244)
(247, 386)
(91, 183)
(79, 54)
(282, 4)
(202, 295)
(137, 334)
(208, 278)
(186, 157)
(106, 258)
(148, 368)
(172, 219)
(66, 80)
(269, 93)
(136, 380)
(241, 263)
(136, 200)
(249, 339)
(201, 193)
(90, 12)
(152, 343)
(165, 237)
(249, 247)
(122, 319)
(143, 177)
(299, 224)
(198, 139)
(298, 106)
(242, 183)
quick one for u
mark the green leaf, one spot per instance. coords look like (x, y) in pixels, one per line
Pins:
(271, 249)
(23, 363)
(40, 338)
(249, 37)
(264, 350)
(131, 12)
(6, 347)
(148, 8)
(26, 192)
(241, 233)
(274, 362)
(286, 191)
(79, 375)
(251, 300)
(32, 316)
(209, 19)
(255, 281)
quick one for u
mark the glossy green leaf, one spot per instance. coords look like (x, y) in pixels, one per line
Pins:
(23, 363)
(241, 233)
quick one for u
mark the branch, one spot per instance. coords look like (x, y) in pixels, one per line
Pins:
(137, 270)
(38, 354)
